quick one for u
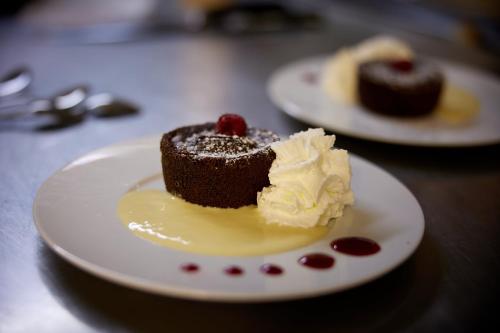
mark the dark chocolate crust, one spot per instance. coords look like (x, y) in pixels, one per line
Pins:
(386, 90)
(216, 179)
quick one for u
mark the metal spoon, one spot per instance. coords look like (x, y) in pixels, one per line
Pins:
(65, 107)
(105, 105)
(15, 81)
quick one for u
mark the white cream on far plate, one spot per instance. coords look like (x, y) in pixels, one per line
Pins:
(340, 75)
(310, 182)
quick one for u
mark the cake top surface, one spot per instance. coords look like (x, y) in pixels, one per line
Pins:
(205, 142)
(384, 71)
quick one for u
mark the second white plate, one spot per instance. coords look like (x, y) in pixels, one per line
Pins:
(296, 90)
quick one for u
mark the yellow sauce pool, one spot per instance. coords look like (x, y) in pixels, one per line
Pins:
(166, 220)
(457, 106)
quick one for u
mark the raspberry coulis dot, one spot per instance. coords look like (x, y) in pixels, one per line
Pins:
(233, 270)
(190, 268)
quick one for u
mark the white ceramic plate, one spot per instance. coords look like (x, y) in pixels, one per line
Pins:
(308, 102)
(75, 213)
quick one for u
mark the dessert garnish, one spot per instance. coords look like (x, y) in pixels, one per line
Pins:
(310, 181)
(355, 246)
(317, 261)
(402, 65)
(271, 269)
(234, 270)
(190, 268)
(231, 124)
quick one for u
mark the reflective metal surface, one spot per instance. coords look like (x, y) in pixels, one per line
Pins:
(450, 284)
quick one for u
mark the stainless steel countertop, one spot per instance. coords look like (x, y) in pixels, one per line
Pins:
(449, 285)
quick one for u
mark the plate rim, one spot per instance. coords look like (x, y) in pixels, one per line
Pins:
(196, 294)
(316, 59)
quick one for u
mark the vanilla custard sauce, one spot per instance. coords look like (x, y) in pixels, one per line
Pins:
(457, 106)
(166, 220)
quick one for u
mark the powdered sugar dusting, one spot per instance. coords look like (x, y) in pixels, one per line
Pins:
(422, 73)
(207, 143)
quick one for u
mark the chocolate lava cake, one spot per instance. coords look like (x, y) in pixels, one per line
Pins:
(221, 164)
(399, 88)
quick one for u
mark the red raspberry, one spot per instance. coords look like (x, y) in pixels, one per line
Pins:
(402, 65)
(231, 124)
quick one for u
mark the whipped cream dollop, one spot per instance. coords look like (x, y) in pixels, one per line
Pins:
(341, 70)
(310, 181)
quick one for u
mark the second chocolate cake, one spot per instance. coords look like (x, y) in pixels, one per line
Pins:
(399, 88)
(210, 168)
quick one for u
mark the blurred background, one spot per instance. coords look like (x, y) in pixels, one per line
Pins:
(156, 53)
(188, 61)
(470, 23)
